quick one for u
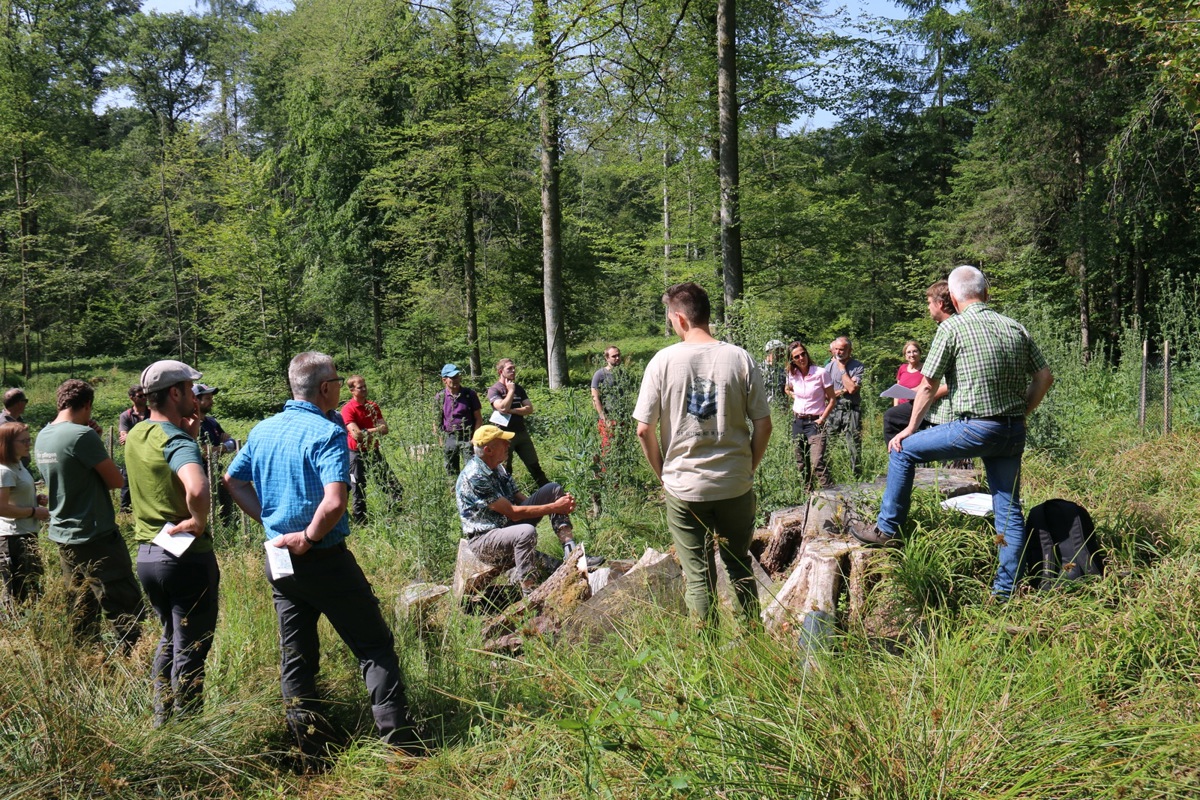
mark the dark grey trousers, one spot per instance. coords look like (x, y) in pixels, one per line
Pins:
(329, 581)
(522, 446)
(20, 568)
(183, 591)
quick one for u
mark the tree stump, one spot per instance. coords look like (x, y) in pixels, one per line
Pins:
(470, 572)
(829, 559)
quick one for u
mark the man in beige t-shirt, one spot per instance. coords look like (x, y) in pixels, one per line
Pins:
(703, 424)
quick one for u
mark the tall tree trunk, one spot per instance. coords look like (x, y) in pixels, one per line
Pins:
(376, 310)
(727, 123)
(666, 212)
(170, 242)
(469, 253)
(458, 13)
(552, 289)
(24, 232)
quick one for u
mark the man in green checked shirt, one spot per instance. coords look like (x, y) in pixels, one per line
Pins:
(997, 377)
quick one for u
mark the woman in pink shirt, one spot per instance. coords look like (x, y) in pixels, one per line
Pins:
(813, 397)
(909, 373)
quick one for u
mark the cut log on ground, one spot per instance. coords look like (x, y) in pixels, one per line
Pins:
(654, 584)
(470, 573)
(415, 599)
(555, 598)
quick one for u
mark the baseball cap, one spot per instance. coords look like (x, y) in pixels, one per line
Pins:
(450, 370)
(486, 434)
(164, 374)
(199, 389)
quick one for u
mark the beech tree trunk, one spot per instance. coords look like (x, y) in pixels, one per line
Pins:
(552, 290)
(727, 123)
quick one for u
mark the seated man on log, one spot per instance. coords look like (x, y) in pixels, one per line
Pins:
(498, 521)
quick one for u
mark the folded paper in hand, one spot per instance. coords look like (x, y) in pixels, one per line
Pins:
(174, 543)
(279, 559)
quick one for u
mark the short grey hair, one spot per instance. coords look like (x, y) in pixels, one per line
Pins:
(845, 339)
(478, 448)
(306, 372)
(967, 283)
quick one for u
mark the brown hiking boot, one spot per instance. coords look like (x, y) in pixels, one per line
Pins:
(870, 535)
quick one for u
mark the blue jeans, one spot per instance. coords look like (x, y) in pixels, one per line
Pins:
(1000, 445)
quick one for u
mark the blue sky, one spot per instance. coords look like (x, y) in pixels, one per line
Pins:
(854, 8)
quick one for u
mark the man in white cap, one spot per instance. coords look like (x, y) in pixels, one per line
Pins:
(499, 522)
(170, 492)
(95, 561)
(457, 413)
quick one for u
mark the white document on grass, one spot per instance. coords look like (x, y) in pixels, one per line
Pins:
(279, 559)
(174, 543)
(977, 504)
(898, 392)
(499, 418)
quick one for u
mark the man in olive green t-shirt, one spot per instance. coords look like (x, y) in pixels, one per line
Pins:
(95, 561)
(170, 494)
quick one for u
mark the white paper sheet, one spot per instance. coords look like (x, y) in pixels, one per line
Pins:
(279, 559)
(499, 418)
(898, 392)
(174, 543)
(977, 504)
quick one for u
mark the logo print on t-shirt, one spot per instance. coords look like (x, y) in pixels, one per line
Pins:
(702, 399)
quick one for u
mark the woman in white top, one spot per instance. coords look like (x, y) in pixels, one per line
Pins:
(813, 398)
(21, 509)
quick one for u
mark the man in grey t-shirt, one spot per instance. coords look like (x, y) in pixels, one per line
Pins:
(692, 411)
(846, 374)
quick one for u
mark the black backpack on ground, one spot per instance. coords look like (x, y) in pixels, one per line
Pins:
(1060, 544)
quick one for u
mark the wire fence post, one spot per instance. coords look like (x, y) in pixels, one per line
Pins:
(1166, 387)
(1142, 387)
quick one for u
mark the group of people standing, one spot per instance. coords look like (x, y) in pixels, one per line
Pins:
(825, 399)
(702, 420)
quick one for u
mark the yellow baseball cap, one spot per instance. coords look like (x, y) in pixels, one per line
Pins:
(486, 434)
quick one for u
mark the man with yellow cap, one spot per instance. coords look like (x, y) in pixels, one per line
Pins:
(499, 522)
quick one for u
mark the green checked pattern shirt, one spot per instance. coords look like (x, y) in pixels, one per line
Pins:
(987, 361)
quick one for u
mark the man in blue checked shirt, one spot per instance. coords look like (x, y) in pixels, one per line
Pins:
(293, 476)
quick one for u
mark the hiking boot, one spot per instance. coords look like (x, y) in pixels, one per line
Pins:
(593, 562)
(870, 535)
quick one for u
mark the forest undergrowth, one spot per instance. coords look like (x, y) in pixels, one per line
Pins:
(1088, 691)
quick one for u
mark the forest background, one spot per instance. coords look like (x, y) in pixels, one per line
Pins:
(372, 179)
(412, 184)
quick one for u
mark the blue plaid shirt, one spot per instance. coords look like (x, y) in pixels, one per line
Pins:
(290, 458)
(478, 487)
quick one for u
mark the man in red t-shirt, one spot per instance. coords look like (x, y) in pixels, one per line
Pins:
(364, 425)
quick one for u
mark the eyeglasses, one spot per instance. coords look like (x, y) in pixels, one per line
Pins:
(335, 379)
